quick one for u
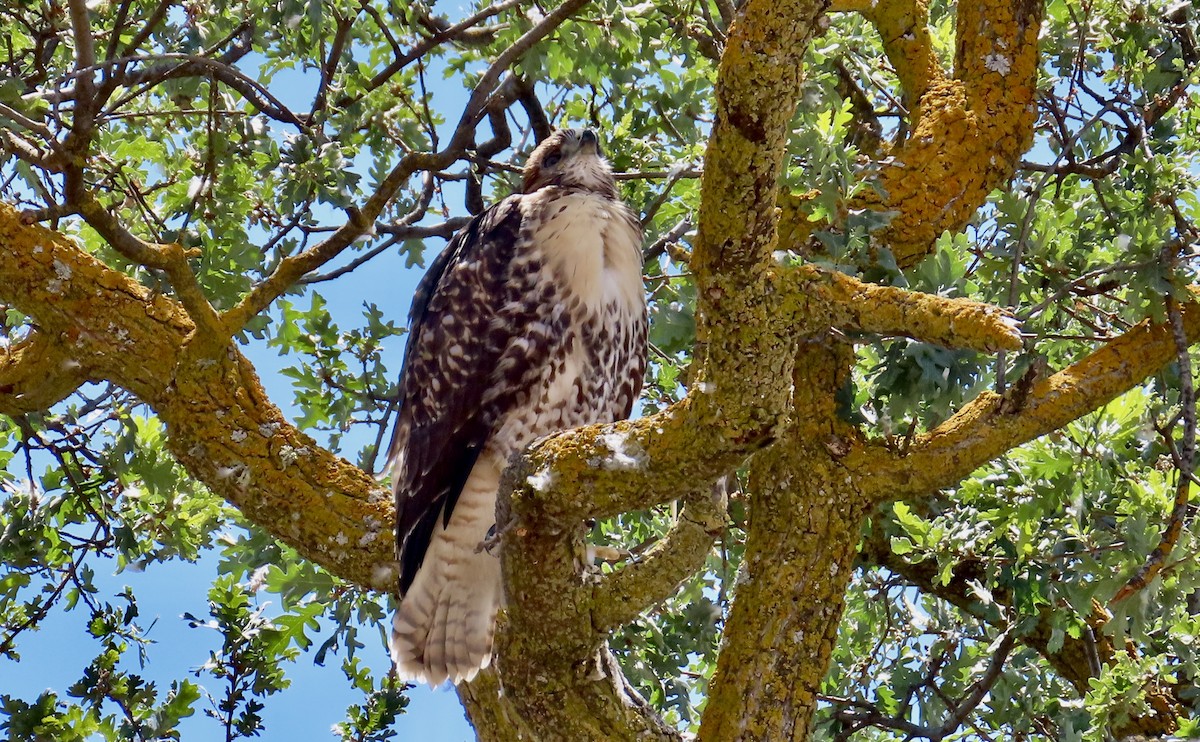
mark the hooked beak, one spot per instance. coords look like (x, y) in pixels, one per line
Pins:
(587, 138)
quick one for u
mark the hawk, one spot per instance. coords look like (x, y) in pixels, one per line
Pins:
(531, 321)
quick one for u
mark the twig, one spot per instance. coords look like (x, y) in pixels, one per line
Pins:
(344, 25)
(160, 12)
(661, 198)
(689, 172)
(659, 246)
(419, 50)
(980, 688)
(1077, 283)
(362, 219)
(487, 84)
(118, 26)
(19, 118)
(191, 65)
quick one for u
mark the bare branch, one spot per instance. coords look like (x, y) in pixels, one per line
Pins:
(29, 152)
(663, 195)
(979, 688)
(527, 97)
(118, 27)
(191, 65)
(419, 50)
(488, 83)
(344, 26)
(156, 17)
(662, 244)
(292, 268)
(85, 49)
(20, 119)
(445, 230)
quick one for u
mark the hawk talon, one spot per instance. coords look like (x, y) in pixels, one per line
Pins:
(491, 543)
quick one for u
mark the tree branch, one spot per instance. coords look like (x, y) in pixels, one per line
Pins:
(191, 65)
(418, 50)
(221, 426)
(903, 27)
(627, 593)
(1185, 462)
(476, 105)
(361, 219)
(828, 298)
(1076, 660)
(171, 258)
(968, 133)
(984, 429)
(85, 53)
(757, 88)
(37, 373)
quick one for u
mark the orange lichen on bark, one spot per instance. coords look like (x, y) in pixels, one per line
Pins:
(804, 527)
(968, 132)
(827, 298)
(903, 27)
(220, 424)
(36, 373)
(757, 88)
(991, 424)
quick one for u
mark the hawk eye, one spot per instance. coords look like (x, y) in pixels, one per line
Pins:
(551, 159)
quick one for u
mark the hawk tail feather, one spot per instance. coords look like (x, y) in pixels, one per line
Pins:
(444, 626)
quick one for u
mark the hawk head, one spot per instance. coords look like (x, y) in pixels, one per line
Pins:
(570, 158)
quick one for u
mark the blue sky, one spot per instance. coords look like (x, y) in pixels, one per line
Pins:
(318, 696)
(54, 657)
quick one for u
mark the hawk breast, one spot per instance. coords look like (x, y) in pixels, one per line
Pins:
(588, 248)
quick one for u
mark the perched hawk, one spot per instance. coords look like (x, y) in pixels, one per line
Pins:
(531, 321)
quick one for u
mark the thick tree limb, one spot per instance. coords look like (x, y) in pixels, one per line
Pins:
(36, 374)
(968, 132)
(603, 470)
(221, 427)
(1184, 456)
(171, 259)
(903, 27)
(757, 87)
(826, 298)
(985, 429)
(781, 631)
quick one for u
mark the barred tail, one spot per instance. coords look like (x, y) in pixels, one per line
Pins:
(443, 628)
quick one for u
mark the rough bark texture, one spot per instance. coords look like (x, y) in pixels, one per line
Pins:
(220, 424)
(767, 378)
(800, 550)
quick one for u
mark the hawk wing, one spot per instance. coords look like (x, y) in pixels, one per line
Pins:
(470, 357)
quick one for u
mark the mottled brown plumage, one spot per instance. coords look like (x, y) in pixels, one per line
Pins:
(531, 321)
